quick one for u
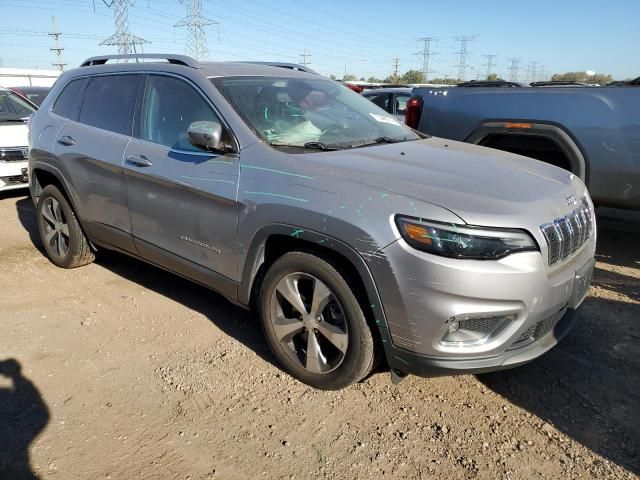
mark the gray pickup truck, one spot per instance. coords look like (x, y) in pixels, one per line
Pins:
(594, 132)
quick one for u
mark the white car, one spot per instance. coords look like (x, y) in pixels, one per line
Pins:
(14, 152)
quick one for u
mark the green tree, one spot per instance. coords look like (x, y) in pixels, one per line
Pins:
(494, 77)
(583, 77)
(446, 81)
(349, 77)
(412, 76)
(333, 77)
(374, 80)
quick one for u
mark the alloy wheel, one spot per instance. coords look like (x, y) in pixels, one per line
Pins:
(309, 322)
(56, 227)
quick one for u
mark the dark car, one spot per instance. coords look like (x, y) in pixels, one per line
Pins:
(35, 95)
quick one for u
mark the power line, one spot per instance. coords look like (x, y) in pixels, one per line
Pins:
(58, 49)
(195, 22)
(513, 69)
(531, 72)
(463, 53)
(490, 63)
(426, 55)
(122, 39)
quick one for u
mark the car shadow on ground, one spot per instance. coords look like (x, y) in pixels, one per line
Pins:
(235, 321)
(23, 415)
(588, 386)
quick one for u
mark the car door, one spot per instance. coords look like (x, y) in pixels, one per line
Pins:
(90, 149)
(182, 200)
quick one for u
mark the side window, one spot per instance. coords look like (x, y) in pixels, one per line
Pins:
(108, 102)
(169, 107)
(67, 103)
(381, 100)
(401, 103)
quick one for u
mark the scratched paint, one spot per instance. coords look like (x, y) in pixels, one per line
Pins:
(280, 172)
(269, 194)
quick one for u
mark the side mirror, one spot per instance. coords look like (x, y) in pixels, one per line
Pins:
(206, 135)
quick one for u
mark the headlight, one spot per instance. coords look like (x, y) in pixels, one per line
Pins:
(458, 241)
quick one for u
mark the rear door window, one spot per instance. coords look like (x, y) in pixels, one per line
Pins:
(109, 102)
(381, 100)
(68, 102)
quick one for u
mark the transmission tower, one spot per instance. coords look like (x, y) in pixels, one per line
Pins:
(513, 69)
(426, 53)
(305, 57)
(396, 65)
(195, 22)
(543, 73)
(490, 63)
(122, 39)
(58, 49)
(463, 53)
(532, 77)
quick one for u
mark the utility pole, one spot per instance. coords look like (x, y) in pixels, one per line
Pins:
(426, 53)
(463, 53)
(58, 49)
(122, 39)
(195, 22)
(513, 69)
(396, 65)
(490, 64)
(305, 57)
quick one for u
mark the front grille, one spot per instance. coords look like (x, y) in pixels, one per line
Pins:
(14, 154)
(566, 235)
(539, 330)
(13, 180)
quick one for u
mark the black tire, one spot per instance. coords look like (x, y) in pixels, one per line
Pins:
(51, 225)
(356, 361)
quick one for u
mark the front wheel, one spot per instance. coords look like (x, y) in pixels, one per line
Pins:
(313, 322)
(63, 239)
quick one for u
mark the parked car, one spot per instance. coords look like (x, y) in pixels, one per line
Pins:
(14, 112)
(391, 100)
(353, 236)
(593, 132)
(34, 94)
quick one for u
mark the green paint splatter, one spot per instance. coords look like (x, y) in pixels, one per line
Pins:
(296, 233)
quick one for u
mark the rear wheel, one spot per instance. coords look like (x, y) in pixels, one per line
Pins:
(63, 239)
(313, 322)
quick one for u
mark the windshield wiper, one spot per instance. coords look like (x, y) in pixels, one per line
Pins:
(308, 145)
(375, 141)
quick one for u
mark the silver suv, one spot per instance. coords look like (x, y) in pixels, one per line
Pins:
(354, 237)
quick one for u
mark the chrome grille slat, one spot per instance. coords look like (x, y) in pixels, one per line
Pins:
(566, 235)
(13, 154)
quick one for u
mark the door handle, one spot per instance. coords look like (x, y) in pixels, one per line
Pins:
(139, 161)
(66, 140)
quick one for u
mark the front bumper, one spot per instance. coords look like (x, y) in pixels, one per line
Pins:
(428, 292)
(13, 175)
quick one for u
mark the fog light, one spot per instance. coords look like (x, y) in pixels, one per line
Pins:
(474, 331)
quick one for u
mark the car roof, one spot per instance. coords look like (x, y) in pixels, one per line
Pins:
(375, 91)
(184, 65)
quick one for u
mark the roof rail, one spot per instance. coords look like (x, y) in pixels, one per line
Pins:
(490, 83)
(174, 59)
(290, 66)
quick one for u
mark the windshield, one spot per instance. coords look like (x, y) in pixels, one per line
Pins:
(310, 113)
(13, 108)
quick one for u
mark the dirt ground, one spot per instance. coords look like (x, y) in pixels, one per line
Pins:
(119, 370)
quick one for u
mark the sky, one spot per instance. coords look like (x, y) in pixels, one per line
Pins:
(357, 37)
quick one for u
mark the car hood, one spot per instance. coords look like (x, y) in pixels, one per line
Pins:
(13, 135)
(482, 186)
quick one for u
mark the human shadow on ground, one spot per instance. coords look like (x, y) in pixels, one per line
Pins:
(23, 415)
